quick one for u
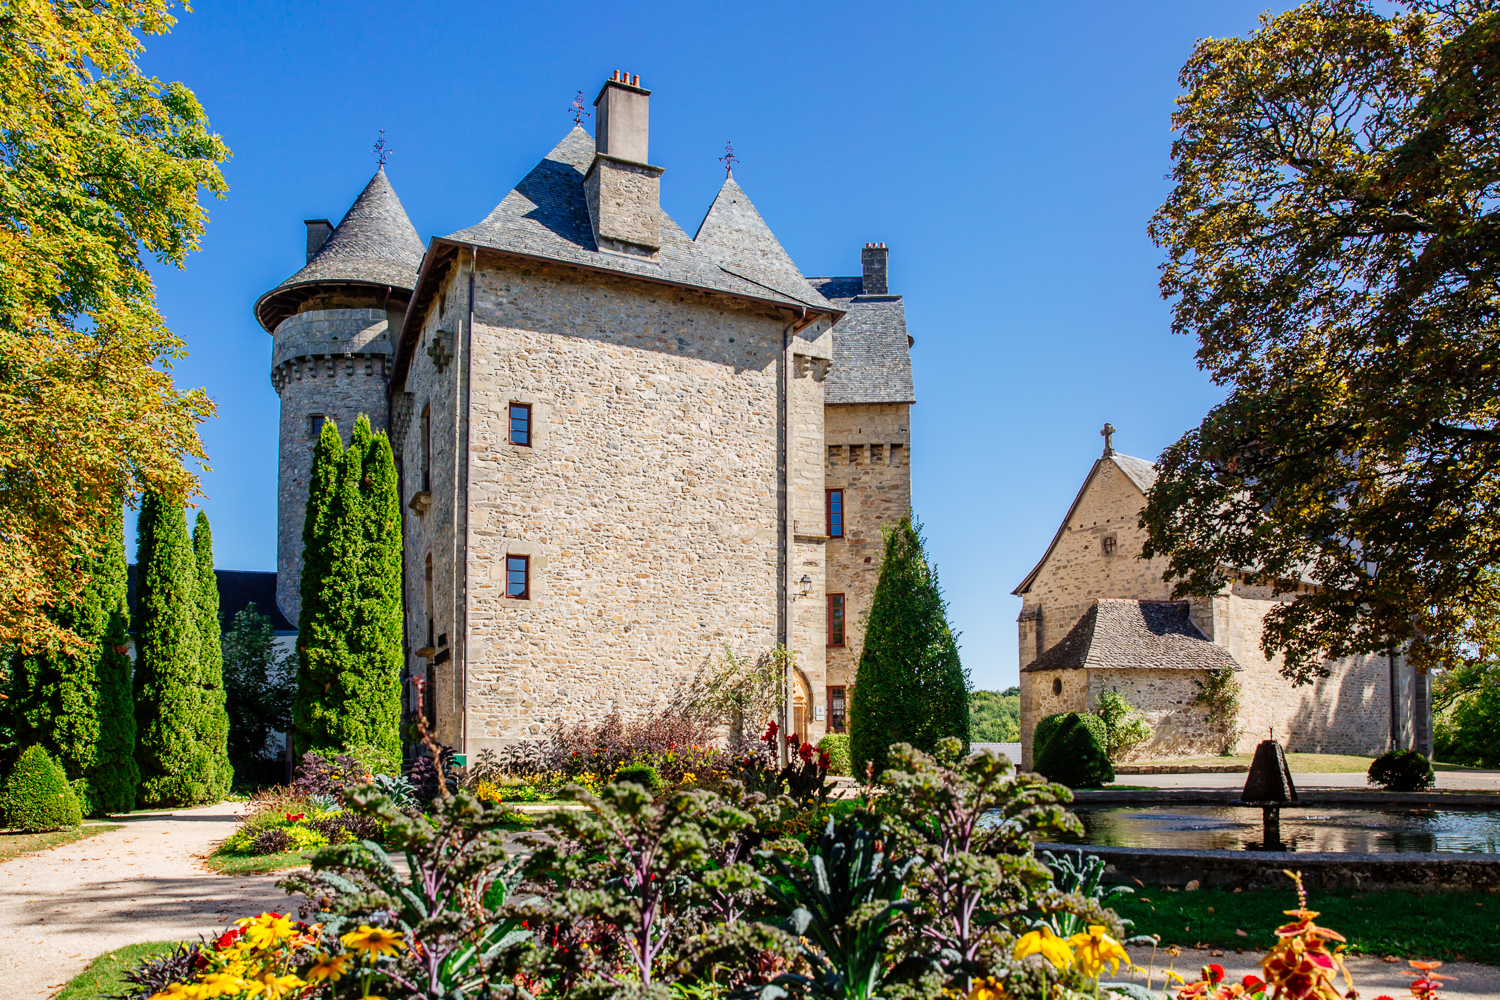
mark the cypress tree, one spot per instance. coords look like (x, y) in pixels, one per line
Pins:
(77, 705)
(349, 635)
(213, 717)
(910, 686)
(175, 767)
(112, 785)
(324, 622)
(372, 710)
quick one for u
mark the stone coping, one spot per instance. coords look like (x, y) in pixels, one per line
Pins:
(1315, 797)
(1182, 768)
(1432, 871)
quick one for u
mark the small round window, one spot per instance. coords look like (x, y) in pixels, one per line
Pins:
(1057, 685)
(1108, 544)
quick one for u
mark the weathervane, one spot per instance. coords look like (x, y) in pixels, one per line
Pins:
(578, 111)
(729, 159)
(381, 151)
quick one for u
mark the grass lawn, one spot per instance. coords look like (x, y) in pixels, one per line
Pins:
(256, 864)
(1297, 763)
(13, 845)
(1448, 926)
(102, 976)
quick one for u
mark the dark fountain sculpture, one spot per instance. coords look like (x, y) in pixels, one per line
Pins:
(1270, 787)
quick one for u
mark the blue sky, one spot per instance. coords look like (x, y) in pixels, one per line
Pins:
(1010, 154)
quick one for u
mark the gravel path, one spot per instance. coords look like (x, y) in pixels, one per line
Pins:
(61, 907)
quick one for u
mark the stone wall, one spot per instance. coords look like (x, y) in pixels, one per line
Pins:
(330, 362)
(868, 456)
(647, 503)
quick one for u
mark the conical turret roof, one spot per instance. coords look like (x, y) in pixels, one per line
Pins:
(375, 244)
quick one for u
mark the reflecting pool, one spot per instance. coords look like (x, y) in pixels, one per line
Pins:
(1238, 828)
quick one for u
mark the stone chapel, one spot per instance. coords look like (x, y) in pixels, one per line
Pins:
(621, 448)
(1095, 616)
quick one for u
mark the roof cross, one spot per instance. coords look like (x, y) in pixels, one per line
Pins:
(729, 160)
(381, 151)
(578, 111)
(1109, 445)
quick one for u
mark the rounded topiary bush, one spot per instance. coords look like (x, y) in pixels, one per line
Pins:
(641, 774)
(37, 795)
(1073, 752)
(1402, 771)
(836, 746)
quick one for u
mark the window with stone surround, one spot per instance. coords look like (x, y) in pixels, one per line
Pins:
(835, 452)
(837, 714)
(427, 447)
(834, 507)
(895, 455)
(877, 454)
(518, 577)
(856, 454)
(836, 620)
(1107, 544)
(520, 424)
(314, 425)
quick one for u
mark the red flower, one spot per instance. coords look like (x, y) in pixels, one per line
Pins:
(294, 817)
(1253, 983)
(1384, 998)
(771, 728)
(805, 751)
(1214, 973)
(824, 761)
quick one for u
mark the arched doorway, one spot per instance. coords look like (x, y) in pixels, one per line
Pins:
(801, 704)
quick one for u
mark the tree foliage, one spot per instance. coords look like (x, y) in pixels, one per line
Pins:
(75, 701)
(995, 716)
(349, 630)
(176, 768)
(213, 718)
(258, 685)
(99, 165)
(1331, 242)
(910, 686)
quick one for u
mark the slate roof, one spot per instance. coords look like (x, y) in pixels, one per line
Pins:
(871, 348)
(1139, 471)
(734, 234)
(1135, 635)
(237, 588)
(375, 244)
(546, 216)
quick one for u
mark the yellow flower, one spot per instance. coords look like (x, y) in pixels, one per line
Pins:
(329, 969)
(267, 929)
(1046, 944)
(179, 991)
(985, 989)
(1173, 974)
(218, 984)
(1096, 948)
(280, 986)
(377, 940)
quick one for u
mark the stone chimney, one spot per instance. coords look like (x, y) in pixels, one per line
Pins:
(873, 258)
(623, 190)
(318, 231)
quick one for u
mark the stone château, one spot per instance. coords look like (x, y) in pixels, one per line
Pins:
(621, 448)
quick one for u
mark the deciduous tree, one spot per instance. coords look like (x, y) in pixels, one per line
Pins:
(1333, 243)
(910, 686)
(100, 165)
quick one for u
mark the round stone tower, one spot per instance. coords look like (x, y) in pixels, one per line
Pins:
(332, 325)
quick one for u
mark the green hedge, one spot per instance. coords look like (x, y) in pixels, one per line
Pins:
(38, 796)
(836, 746)
(1070, 749)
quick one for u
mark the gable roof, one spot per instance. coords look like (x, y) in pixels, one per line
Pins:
(734, 234)
(871, 348)
(1139, 471)
(374, 244)
(547, 216)
(1134, 635)
(237, 588)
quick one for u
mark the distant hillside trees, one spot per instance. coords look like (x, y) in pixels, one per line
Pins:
(910, 685)
(349, 632)
(995, 716)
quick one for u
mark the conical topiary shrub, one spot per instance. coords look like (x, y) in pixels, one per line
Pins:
(1074, 752)
(37, 795)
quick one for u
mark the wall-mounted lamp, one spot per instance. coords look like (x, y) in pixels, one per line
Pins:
(806, 582)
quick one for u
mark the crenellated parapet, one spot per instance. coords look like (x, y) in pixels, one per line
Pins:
(331, 343)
